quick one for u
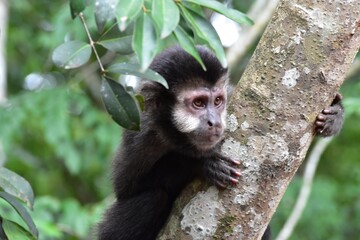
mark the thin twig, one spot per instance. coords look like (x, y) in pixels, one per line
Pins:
(92, 43)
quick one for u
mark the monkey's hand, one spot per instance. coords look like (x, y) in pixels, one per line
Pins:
(330, 120)
(221, 170)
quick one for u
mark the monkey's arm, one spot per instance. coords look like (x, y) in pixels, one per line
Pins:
(331, 119)
(138, 153)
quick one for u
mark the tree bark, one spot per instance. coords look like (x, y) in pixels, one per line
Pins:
(298, 66)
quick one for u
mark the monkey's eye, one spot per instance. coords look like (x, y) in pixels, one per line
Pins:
(199, 103)
(218, 101)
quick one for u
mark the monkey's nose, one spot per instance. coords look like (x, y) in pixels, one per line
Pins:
(214, 124)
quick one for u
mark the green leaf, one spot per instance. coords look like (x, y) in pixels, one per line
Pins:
(71, 54)
(104, 12)
(134, 69)
(76, 7)
(22, 212)
(121, 45)
(194, 7)
(187, 43)
(17, 186)
(166, 16)
(120, 104)
(144, 40)
(204, 30)
(126, 12)
(233, 14)
(15, 231)
(141, 101)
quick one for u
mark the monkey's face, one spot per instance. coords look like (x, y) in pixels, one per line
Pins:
(200, 113)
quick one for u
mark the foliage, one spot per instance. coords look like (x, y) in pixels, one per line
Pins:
(16, 188)
(53, 124)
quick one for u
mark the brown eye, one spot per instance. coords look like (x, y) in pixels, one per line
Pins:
(218, 101)
(198, 103)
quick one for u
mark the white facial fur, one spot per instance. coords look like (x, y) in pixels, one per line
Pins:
(184, 121)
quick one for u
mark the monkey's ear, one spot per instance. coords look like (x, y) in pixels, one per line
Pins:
(151, 91)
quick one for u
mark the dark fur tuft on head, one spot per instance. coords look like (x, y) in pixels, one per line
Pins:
(178, 67)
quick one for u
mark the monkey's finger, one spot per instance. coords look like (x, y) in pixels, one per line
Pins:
(228, 170)
(234, 181)
(320, 123)
(223, 185)
(320, 117)
(330, 110)
(235, 162)
(220, 185)
(235, 172)
(226, 159)
(225, 178)
(230, 160)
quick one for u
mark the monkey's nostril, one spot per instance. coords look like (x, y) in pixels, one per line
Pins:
(210, 124)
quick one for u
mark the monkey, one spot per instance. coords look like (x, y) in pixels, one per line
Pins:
(181, 132)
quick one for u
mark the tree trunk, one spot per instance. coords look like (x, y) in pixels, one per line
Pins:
(296, 69)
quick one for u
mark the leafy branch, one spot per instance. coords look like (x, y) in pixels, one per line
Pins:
(92, 43)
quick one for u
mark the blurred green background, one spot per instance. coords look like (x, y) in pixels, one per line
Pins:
(55, 133)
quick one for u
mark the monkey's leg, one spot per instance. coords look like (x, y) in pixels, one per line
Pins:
(137, 218)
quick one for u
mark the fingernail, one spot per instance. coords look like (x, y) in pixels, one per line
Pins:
(233, 180)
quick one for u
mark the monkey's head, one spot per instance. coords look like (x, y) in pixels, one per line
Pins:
(200, 114)
(194, 106)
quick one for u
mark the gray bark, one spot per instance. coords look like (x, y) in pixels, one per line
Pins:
(294, 73)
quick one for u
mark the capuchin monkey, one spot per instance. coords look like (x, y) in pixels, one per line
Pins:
(181, 131)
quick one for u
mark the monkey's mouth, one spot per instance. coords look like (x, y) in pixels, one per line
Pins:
(206, 142)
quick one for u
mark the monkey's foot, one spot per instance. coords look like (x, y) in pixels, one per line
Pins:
(330, 120)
